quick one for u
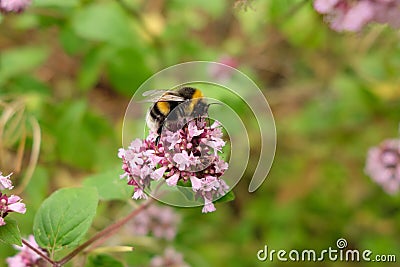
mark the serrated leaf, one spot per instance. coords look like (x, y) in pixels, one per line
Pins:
(109, 186)
(226, 198)
(9, 233)
(64, 218)
(103, 260)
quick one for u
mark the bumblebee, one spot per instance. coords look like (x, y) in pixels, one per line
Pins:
(174, 108)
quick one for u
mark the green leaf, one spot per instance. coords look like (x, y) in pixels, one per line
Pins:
(65, 217)
(91, 67)
(9, 233)
(104, 21)
(19, 60)
(103, 260)
(109, 185)
(127, 70)
(79, 130)
(71, 42)
(186, 189)
(63, 3)
(226, 198)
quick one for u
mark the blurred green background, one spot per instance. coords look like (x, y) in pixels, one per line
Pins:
(71, 66)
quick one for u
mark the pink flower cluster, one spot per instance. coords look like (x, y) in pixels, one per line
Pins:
(160, 221)
(189, 155)
(10, 203)
(383, 165)
(26, 257)
(353, 15)
(14, 5)
(169, 258)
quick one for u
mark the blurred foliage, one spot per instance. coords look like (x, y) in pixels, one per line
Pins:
(76, 63)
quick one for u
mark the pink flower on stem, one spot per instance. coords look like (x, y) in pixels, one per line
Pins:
(383, 165)
(14, 5)
(10, 204)
(5, 182)
(188, 155)
(169, 258)
(25, 257)
(161, 221)
(353, 15)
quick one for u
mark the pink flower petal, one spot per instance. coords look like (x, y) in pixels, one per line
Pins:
(208, 207)
(173, 180)
(139, 194)
(17, 207)
(13, 199)
(196, 183)
(157, 174)
(325, 6)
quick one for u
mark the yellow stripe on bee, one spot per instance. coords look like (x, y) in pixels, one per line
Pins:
(163, 107)
(196, 94)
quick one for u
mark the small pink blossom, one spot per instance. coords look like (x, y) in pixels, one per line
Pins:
(169, 258)
(14, 5)
(196, 183)
(10, 204)
(139, 194)
(208, 207)
(15, 204)
(383, 165)
(173, 180)
(5, 182)
(157, 174)
(161, 221)
(25, 257)
(353, 15)
(193, 130)
(324, 6)
(173, 139)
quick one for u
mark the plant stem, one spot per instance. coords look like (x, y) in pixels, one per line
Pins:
(39, 252)
(104, 233)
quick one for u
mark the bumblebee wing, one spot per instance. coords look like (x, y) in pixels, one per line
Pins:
(155, 92)
(170, 97)
(153, 95)
(161, 95)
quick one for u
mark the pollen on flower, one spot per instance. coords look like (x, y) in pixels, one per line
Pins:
(190, 155)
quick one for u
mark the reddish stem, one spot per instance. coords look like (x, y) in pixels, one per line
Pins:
(104, 233)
